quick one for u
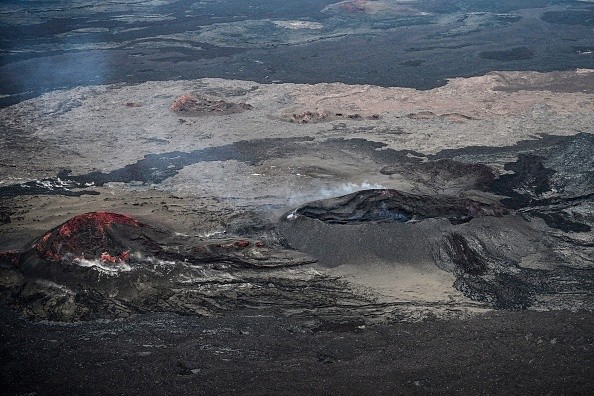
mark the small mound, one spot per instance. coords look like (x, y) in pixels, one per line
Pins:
(96, 235)
(320, 115)
(376, 7)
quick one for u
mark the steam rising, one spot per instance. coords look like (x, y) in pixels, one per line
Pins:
(348, 188)
(102, 267)
(331, 191)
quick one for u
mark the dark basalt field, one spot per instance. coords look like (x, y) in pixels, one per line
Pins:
(108, 265)
(417, 44)
(194, 200)
(256, 309)
(251, 353)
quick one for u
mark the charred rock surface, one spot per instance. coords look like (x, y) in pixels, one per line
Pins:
(484, 273)
(47, 186)
(554, 183)
(530, 179)
(392, 205)
(545, 169)
(443, 172)
(163, 353)
(5, 214)
(466, 259)
(107, 265)
(551, 178)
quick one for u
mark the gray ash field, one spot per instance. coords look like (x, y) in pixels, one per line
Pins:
(223, 236)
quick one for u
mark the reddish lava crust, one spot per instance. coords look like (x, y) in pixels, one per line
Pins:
(197, 105)
(86, 236)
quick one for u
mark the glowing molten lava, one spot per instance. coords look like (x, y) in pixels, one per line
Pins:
(96, 235)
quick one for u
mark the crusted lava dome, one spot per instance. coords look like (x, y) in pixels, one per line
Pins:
(392, 205)
(97, 235)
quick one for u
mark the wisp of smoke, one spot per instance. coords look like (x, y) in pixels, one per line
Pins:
(330, 191)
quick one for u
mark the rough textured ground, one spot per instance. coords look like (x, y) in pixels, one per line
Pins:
(413, 43)
(251, 353)
(469, 218)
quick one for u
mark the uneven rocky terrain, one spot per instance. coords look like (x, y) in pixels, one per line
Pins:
(330, 214)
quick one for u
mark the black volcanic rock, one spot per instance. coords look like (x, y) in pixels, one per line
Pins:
(498, 257)
(108, 237)
(393, 205)
(106, 265)
(528, 182)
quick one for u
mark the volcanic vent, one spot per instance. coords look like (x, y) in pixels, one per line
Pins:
(107, 265)
(97, 235)
(489, 249)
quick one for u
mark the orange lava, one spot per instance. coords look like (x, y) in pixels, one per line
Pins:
(108, 258)
(242, 243)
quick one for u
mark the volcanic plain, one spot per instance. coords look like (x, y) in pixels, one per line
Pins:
(221, 236)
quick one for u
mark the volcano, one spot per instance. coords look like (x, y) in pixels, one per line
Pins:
(97, 235)
(483, 245)
(108, 265)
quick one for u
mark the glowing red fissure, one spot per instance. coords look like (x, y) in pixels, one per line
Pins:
(108, 258)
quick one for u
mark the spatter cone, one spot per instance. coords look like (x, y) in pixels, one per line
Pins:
(104, 236)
